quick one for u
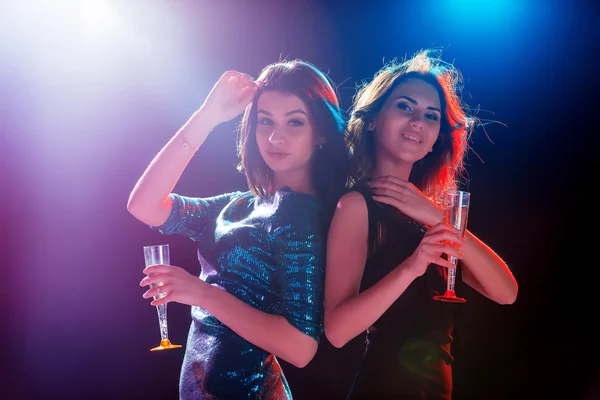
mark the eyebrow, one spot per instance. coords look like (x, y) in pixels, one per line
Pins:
(287, 114)
(413, 101)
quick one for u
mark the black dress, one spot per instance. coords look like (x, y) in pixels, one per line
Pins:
(406, 353)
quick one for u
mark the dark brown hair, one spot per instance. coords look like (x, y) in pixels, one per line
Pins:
(439, 170)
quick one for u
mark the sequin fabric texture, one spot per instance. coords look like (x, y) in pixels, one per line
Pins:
(266, 251)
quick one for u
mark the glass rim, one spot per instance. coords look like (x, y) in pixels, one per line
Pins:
(154, 246)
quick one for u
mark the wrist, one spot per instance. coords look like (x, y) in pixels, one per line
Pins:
(205, 119)
(436, 217)
(186, 144)
(205, 296)
(193, 133)
(410, 269)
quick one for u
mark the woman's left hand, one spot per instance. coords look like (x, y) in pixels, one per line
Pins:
(407, 198)
(175, 283)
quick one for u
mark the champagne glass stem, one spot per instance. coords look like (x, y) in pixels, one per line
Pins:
(162, 321)
(451, 278)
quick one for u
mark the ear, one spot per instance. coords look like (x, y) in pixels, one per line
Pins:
(371, 127)
(320, 141)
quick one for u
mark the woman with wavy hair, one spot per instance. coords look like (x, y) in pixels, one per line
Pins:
(408, 129)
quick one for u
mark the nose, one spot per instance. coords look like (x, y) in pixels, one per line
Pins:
(416, 122)
(276, 136)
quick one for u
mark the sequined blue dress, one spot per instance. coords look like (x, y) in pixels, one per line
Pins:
(266, 251)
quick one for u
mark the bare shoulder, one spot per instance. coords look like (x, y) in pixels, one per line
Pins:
(352, 203)
(352, 210)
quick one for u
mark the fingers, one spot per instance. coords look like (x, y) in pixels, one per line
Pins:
(444, 263)
(164, 298)
(248, 91)
(390, 186)
(443, 226)
(387, 200)
(444, 239)
(385, 187)
(432, 253)
(228, 75)
(158, 269)
(239, 79)
(160, 301)
(156, 279)
(452, 251)
(448, 235)
(157, 290)
(156, 275)
(247, 79)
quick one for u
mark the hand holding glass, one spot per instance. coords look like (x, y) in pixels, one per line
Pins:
(159, 255)
(456, 211)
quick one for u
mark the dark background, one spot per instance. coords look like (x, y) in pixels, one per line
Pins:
(85, 105)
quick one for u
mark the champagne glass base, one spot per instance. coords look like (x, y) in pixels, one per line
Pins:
(165, 345)
(450, 297)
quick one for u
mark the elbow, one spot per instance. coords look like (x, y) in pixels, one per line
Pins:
(336, 341)
(302, 358)
(135, 211)
(506, 296)
(131, 209)
(335, 336)
(511, 296)
(302, 362)
(133, 206)
(141, 211)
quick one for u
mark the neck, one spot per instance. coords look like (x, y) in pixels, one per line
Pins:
(397, 168)
(298, 181)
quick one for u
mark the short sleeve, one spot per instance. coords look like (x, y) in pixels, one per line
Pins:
(194, 217)
(300, 257)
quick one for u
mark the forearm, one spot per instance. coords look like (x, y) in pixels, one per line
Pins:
(486, 272)
(355, 315)
(483, 269)
(272, 333)
(149, 200)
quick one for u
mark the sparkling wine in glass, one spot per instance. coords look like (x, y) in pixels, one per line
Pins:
(155, 255)
(456, 212)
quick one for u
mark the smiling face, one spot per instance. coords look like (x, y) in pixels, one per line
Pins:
(285, 135)
(408, 124)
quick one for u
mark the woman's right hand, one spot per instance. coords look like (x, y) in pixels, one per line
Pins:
(230, 96)
(441, 238)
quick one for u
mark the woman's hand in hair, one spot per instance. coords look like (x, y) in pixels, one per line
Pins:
(407, 198)
(230, 96)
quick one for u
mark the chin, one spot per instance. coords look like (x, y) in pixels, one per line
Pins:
(409, 157)
(276, 166)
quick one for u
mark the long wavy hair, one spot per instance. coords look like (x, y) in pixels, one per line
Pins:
(440, 169)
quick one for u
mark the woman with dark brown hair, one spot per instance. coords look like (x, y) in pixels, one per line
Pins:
(259, 296)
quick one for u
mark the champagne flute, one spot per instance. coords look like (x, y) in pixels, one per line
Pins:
(456, 212)
(155, 255)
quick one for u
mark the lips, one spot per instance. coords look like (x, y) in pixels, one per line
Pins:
(412, 137)
(277, 155)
